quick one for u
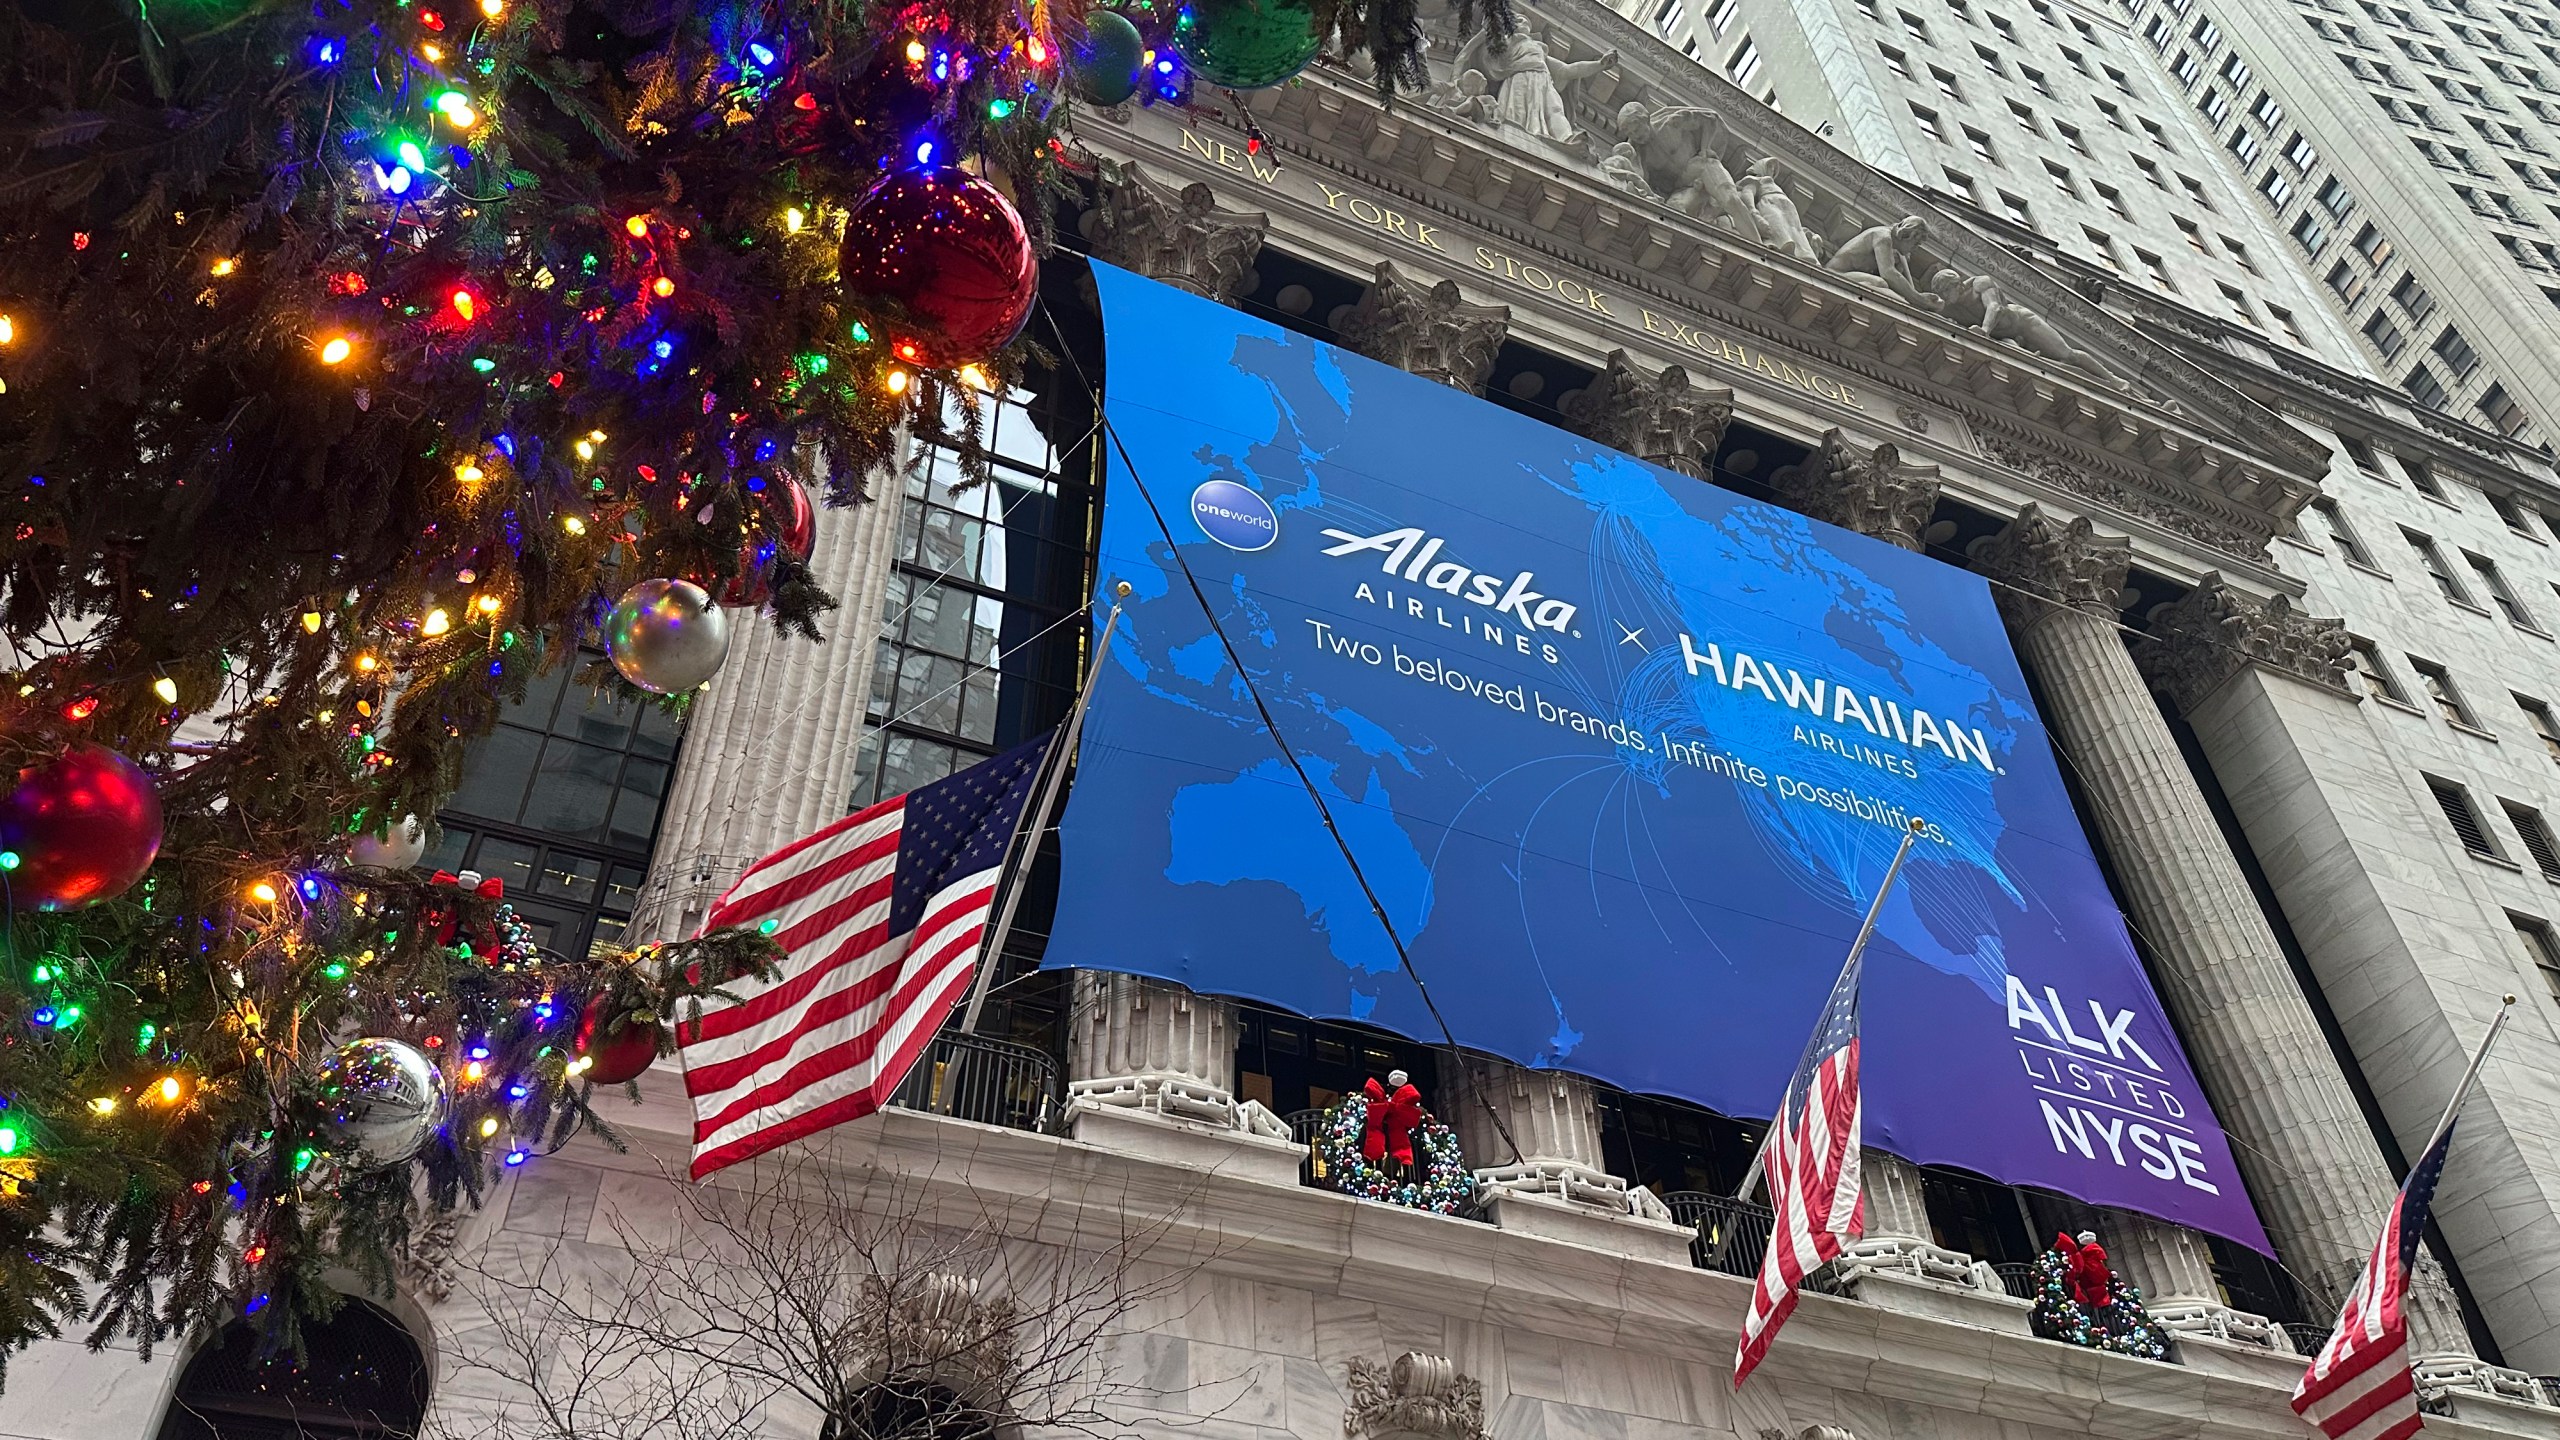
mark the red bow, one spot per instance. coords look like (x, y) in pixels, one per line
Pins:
(1388, 1128)
(491, 888)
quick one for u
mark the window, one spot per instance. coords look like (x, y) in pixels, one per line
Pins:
(2195, 237)
(2267, 112)
(2333, 523)
(2455, 801)
(2438, 683)
(1913, 26)
(1928, 123)
(2061, 179)
(2284, 322)
(2425, 388)
(2386, 337)
(2158, 272)
(2195, 190)
(2239, 305)
(1895, 61)
(2035, 81)
(1868, 9)
(1671, 16)
(2071, 136)
(2118, 79)
(2150, 172)
(1721, 15)
(2025, 117)
(1947, 86)
(2413, 298)
(2216, 108)
(2367, 663)
(1981, 145)
(2374, 246)
(2348, 282)
(2333, 197)
(2538, 715)
(2236, 70)
(1961, 11)
(2114, 116)
(2245, 145)
(2275, 187)
(2540, 948)
(2433, 560)
(2080, 63)
(2308, 232)
(2106, 247)
(2496, 585)
(2509, 512)
(2536, 837)
(2240, 253)
(2205, 33)
(1990, 62)
(2114, 199)
(2501, 411)
(2186, 69)
(2017, 209)
(1963, 185)
(2361, 453)
(2300, 153)
(1744, 63)
(2456, 353)
(2000, 26)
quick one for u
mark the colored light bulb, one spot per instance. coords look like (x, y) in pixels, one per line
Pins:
(166, 689)
(263, 893)
(336, 351)
(465, 304)
(761, 53)
(436, 623)
(412, 156)
(637, 226)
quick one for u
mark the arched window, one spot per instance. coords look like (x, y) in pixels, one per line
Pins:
(364, 1379)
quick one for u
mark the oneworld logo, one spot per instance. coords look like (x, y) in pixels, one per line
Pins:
(1234, 516)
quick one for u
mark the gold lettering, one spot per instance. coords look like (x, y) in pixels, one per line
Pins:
(1484, 258)
(1375, 216)
(1396, 224)
(1794, 376)
(1332, 197)
(1264, 170)
(1651, 324)
(1763, 367)
(1227, 156)
(1422, 236)
(1850, 397)
(1194, 143)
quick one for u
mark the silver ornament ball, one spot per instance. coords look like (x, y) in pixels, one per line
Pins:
(384, 1099)
(397, 848)
(666, 636)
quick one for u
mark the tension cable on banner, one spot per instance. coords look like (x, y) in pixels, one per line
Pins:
(1271, 725)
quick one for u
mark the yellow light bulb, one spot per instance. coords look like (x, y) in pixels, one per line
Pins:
(915, 52)
(493, 8)
(638, 226)
(166, 689)
(171, 1089)
(337, 350)
(586, 449)
(469, 473)
(462, 116)
(263, 893)
(897, 382)
(475, 1071)
(433, 52)
(489, 604)
(103, 1105)
(573, 524)
(488, 1127)
(224, 266)
(8, 329)
(973, 377)
(310, 622)
(662, 287)
(436, 623)
(367, 664)
(794, 218)
(597, 436)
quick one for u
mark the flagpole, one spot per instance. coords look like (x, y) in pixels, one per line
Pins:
(1857, 948)
(1035, 820)
(2479, 1057)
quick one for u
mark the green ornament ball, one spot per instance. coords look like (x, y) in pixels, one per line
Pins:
(1246, 44)
(1104, 69)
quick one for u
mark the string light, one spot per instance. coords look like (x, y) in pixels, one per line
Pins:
(171, 1089)
(366, 664)
(662, 287)
(573, 524)
(793, 219)
(638, 226)
(166, 689)
(489, 604)
(8, 1140)
(916, 52)
(337, 350)
(465, 304)
(975, 379)
(263, 893)
(8, 330)
(436, 623)
(493, 8)
(488, 1127)
(224, 266)
(103, 1105)
(469, 473)
(897, 382)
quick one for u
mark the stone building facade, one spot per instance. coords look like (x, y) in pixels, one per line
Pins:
(2287, 628)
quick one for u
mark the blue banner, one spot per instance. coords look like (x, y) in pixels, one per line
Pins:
(1622, 755)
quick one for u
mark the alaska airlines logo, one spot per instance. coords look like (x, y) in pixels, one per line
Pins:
(1413, 556)
(1234, 516)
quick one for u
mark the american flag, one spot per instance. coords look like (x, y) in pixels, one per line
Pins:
(882, 915)
(1810, 1161)
(2358, 1386)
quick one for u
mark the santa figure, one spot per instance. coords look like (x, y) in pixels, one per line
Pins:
(1394, 1109)
(2089, 1277)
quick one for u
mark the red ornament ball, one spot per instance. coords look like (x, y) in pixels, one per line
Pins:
(950, 251)
(787, 526)
(83, 826)
(619, 1056)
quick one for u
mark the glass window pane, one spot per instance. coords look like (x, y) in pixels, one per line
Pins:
(508, 860)
(541, 694)
(949, 542)
(884, 683)
(908, 762)
(978, 706)
(940, 619)
(635, 807)
(495, 772)
(447, 852)
(571, 877)
(622, 888)
(655, 732)
(929, 691)
(551, 924)
(572, 789)
(595, 717)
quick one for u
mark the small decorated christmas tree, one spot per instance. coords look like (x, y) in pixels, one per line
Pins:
(2082, 1301)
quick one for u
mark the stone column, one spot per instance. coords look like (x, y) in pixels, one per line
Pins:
(1661, 418)
(769, 749)
(1872, 492)
(2226, 660)
(1434, 333)
(2301, 1146)
(1558, 1183)
(1151, 1068)
(1897, 1204)
(1179, 237)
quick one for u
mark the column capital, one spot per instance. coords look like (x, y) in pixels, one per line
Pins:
(2213, 632)
(1435, 333)
(1870, 491)
(1181, 237)
(2038, 564)
(1661, 418)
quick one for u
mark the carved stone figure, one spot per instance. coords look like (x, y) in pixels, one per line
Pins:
(1681, 149)
(1873, 493)
(1467, 95)
(1880, 255)
(1418, 1397)
(1529, 83)
(1781, 228)
(1623, 168)
(1979, 301)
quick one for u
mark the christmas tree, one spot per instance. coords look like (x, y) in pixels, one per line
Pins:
(359, 360)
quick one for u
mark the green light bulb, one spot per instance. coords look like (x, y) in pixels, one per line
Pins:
(412, 156)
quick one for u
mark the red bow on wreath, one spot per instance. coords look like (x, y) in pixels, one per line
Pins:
(1388, 1128)
(442, 916)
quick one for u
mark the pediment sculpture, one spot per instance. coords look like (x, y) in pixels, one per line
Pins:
(1526, 79)
(1982, 302)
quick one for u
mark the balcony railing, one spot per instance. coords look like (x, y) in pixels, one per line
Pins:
(991, 1081)
(1731, 1235)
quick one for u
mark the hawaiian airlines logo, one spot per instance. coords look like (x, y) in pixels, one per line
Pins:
(1234, 516)
(1414, 557)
